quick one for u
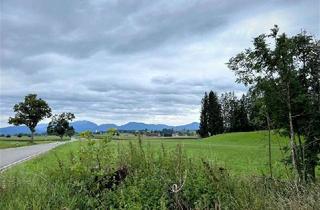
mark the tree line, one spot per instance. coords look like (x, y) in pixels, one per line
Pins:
(282, 74)
(226, 113)
(32, 110)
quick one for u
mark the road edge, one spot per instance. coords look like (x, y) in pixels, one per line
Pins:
(4, 168)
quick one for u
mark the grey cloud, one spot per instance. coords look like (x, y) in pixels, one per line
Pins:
(80, 28)
(163, 80)
(125, 59)
(162, 86)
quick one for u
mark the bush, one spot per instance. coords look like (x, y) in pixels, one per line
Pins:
(19, 135)
(8, 136)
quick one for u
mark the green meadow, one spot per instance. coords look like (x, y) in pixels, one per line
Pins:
(245, 152)
(241, 153)
(224, 171)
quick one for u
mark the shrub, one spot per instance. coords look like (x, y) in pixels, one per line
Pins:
(8, 136)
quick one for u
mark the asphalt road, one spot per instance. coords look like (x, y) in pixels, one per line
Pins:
(12, 156)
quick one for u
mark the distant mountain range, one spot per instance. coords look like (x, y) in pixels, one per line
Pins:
(83, 125)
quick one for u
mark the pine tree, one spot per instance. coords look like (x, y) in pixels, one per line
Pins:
(215, 121)
(203, 128)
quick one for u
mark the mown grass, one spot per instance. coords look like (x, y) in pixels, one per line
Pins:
(242, 153)
(15, 141)
(245, 152)
(72, 176)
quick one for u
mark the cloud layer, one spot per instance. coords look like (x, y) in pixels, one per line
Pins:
(124, 60)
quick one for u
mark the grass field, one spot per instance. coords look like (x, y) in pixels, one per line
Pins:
(245, 152)
(49, 179)
(239, 152)
(15, 141)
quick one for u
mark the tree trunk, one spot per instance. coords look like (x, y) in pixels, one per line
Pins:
(32, 135)
(310, 159)
(302, 159)
(269, 139)
(292, 142)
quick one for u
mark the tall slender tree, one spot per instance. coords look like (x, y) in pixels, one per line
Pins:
(227, 101)
(307, 60)
(291, 64)
(215, 121)
(203, 128)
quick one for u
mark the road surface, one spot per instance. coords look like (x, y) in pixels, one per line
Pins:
(12, 156)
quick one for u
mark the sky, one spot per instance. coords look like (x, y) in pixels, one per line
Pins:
(116, 61)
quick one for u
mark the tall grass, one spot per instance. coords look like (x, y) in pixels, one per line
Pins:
(139, 176)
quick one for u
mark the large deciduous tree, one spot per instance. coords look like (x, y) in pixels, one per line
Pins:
(285, 71)
(30, 112)
(60, 125)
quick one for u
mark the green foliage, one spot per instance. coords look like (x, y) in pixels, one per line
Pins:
(211, 120)
(240, 116)
(30, 112)
(70, 131)
(224, 114)
(215, 121)
(86, 134)
(227, 100)
(112, 132)
(284, 76)
(203, 127)
(60, 126)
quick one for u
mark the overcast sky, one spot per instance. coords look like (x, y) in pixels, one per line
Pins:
(115, 61)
